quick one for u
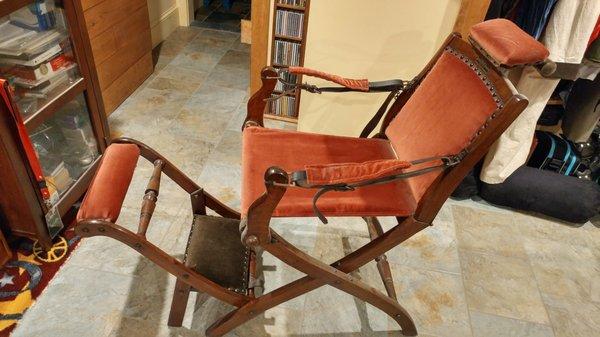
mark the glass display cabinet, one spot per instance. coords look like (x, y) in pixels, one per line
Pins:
(52, 133)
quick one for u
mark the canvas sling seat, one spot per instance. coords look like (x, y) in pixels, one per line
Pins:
(432, 131)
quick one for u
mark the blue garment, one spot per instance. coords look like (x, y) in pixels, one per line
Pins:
(226, 3)
(532, 16)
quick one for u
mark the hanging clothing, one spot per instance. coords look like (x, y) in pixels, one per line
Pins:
(533, 15)
(583, 110)
(501, 9)
(566, 36)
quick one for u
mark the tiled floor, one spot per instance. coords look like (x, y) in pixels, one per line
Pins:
(479, 271)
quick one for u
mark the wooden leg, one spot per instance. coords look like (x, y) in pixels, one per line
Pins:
(179, 303)
(375, 230)
(345, 282)
(407, 228)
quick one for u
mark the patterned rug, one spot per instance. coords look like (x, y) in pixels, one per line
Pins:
(26, 275)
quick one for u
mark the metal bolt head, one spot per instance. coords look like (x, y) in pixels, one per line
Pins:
(252, 241)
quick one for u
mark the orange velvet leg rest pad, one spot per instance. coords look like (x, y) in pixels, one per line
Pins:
(107, 191)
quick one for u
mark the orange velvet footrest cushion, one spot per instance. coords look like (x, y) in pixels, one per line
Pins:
(105, 196)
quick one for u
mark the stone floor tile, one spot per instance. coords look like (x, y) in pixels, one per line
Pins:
(193, 77)
(218, 100)
(229, 150)
(573, 318)
(485, 325)
(435, 300)
(236, 59)
(552, 229)
(196, 60)
(500, 285)
(486, 232)
(562, 269)
(596, 290)
(77, 302)
(222, 182)
(206, 125)
(229, 77)
(434, 248)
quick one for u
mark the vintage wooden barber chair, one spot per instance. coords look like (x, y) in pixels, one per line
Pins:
(438, 126)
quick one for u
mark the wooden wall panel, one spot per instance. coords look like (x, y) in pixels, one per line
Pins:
(109, 13)
(121, 46)
(126, 84)
(113, 40)
(87, 4)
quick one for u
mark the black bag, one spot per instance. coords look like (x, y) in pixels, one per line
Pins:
(555, 195)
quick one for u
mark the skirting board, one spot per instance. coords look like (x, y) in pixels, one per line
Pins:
(164, 26)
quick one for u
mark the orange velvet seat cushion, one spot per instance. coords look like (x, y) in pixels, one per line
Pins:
(292, 151)
(507, 43)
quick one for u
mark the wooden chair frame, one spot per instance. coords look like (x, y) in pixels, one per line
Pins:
(259, 236)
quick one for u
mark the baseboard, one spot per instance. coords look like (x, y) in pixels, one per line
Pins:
(164, 26)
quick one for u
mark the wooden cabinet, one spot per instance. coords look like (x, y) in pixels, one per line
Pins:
(121, 47)
(54, 96)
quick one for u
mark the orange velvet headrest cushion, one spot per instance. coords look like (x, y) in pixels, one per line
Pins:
(507, 44)
(107, 191)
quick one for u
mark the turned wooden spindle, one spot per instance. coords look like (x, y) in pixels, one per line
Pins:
(150, 198)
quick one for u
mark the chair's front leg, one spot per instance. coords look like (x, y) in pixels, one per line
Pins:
(256, 231)
(338, 279)
(390, 239)
(385, 271)
(257, 103)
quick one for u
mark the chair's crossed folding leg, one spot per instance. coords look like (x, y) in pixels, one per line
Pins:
(375, 230)
(318, 273)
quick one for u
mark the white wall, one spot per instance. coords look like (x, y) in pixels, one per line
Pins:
(379, 40)
(165, 17)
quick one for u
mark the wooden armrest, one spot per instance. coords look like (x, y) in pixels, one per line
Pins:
(258, 102)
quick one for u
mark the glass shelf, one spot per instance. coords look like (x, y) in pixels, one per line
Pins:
(65, 146)
(36, 54)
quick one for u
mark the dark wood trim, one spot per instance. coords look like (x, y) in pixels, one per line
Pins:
(259, 48)
(9, 6)
(257, 104)
(21, 202)
(93, 94)
(290, 7)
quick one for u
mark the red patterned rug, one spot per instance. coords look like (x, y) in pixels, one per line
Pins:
(26, 275)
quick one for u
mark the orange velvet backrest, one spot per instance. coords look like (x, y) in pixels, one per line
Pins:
(443, 114)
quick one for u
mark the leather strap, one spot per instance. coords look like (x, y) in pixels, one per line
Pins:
(378, 115)
(379, 86)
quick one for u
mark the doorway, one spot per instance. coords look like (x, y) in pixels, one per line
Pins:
(221, 14)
